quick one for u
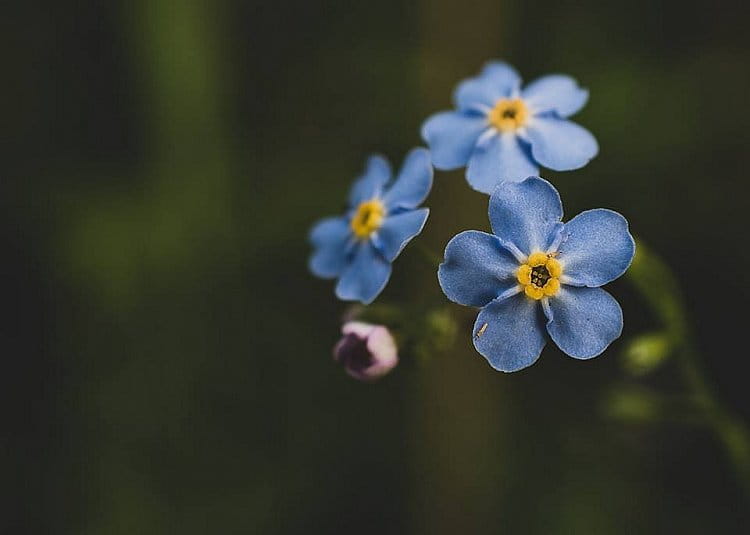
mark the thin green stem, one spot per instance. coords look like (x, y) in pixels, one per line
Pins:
(730, 429)
(656, 283)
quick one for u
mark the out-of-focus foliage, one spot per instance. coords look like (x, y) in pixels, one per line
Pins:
(646, 352)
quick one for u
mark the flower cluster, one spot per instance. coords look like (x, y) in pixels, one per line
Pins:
(534, 276)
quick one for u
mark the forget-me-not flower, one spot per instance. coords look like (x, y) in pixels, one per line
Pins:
(367, 352)
(536, 273)
(504, 133)
(381, 219)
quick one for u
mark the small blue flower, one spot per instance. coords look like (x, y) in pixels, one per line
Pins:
(536, 272)
(504, 133)
(382, 218)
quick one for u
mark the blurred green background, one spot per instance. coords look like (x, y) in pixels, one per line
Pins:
(166, 354)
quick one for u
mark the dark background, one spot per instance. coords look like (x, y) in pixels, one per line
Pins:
(166, 354)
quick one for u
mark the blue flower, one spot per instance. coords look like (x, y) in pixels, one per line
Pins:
(381, 219)
(504, 133)
(536, 273)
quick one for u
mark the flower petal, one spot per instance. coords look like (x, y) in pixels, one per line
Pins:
(358, 328)
(558, 93)
(365, 277)
(477, 269)
(509, 333)
(451, 137)
(383, 348)
(559, 144)
(597, 248)
(331, 239)
(377, 173)
(413, 182)
(498, 158)
(583, 321)
(497, 80)
(398, 230)
(526, 214)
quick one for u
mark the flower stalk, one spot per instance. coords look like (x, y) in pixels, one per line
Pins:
(655, 282)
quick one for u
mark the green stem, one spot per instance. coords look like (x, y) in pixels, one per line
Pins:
(656, 283)
(730, 429)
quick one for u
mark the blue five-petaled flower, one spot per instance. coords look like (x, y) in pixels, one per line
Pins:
(536, 273)
(504, 133)
(382, 218)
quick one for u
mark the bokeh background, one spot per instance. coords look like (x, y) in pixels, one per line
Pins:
(166, 355)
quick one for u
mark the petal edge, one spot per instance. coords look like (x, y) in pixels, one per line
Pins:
(583, 322)
(509, 333)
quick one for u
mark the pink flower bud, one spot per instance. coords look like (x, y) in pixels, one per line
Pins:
(367, 351)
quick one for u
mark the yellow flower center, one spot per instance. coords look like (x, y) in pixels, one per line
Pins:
(508, 114)
(368, 218)
(539, 276)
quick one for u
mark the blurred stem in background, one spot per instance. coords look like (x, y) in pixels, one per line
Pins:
(656, 283)
(460, 419)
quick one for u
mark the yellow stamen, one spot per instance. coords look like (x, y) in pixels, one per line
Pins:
(539, 276)
(552, 287)
(554, 267)
(535, 292)
(368, 218)
(524, 275)
(508, 114)
(537, 259)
